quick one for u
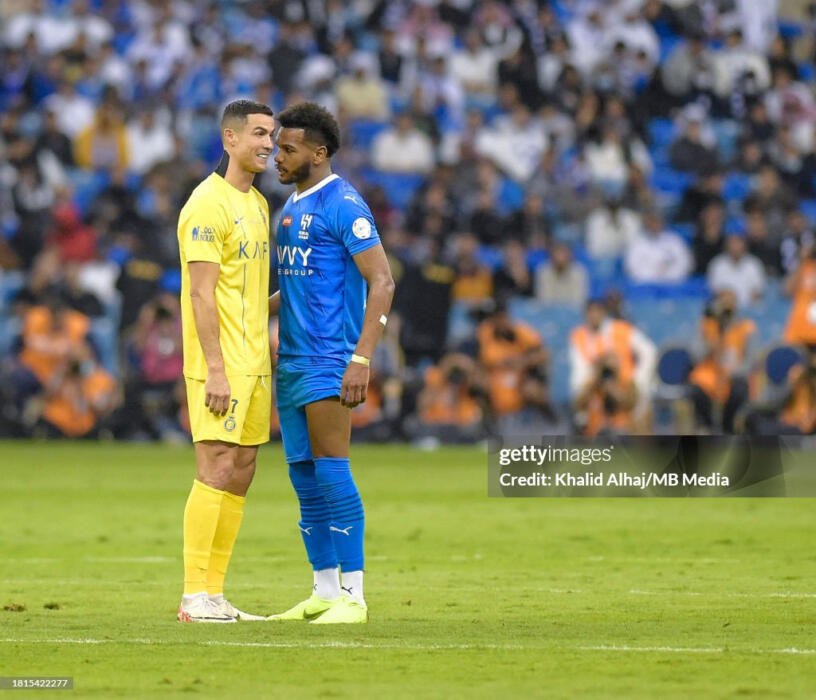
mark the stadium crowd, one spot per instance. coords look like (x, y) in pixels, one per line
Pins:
(600, 215)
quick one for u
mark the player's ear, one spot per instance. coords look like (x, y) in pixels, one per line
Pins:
(320, 155)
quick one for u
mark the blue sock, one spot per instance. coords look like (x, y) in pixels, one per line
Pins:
(347, 517)
(315, 516)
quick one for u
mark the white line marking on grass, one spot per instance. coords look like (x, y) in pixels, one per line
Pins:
(307, 644)
(695, 650)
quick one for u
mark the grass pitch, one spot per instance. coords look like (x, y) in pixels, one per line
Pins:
(468, 596)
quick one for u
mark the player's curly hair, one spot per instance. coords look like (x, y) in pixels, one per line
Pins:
(317, 123)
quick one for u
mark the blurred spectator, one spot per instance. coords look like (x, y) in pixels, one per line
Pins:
(771, 196)
(707, 189)
(691, 153)
(709, 239)
(761, 244)
(735, 269)
(474, 67)
(474, 282)
(609, 158)
(799, 234)
(561, 280)
(689, 71)
(73, 112)
(657, 255)
(423, 299)
(611, 228)
(402, 149)
(719, 377)
(150, 141)
(75, 241)
(790, 103)
(104, 144)
(361, 95)
(513, 278)
(514, 143)
(740, 68)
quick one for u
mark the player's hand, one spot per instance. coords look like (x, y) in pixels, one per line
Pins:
(217, 391)
(354, 388)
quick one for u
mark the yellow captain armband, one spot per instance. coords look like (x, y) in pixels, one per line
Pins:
(360, 360)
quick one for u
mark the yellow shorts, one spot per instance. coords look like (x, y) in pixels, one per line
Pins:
(247, 419)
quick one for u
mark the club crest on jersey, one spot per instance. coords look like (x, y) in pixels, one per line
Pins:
(287, 221)
(229, 424)
(205, 234)
(305, 222)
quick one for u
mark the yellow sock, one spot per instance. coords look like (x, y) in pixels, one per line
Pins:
(200, 522)
(229, 522)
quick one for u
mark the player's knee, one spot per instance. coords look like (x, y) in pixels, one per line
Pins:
(217, 466)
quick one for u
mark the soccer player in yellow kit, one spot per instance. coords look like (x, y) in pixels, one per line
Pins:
(223, 234)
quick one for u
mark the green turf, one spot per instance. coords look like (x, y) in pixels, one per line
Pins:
(469, 596)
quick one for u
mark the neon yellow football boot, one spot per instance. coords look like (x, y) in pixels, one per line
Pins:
(345, 611)
(307, 609)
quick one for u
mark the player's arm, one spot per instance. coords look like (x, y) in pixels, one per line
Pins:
(203, 280)
(374, 268)
(274, 303)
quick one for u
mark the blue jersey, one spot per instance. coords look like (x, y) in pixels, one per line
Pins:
(323, 294)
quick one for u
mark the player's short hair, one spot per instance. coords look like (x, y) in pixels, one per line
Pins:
(239, 110)
(317, 123)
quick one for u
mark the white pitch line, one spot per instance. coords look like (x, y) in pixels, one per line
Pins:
(306, 644)
(696, 650)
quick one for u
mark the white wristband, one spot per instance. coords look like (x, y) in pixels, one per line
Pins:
(360, 360)
(383, 319)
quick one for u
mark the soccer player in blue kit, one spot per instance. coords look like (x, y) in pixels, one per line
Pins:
(335, 294)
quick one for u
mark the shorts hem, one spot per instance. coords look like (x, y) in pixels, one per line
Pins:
(299, 458)
(319, 396)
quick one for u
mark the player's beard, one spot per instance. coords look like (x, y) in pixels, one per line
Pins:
(299, 175)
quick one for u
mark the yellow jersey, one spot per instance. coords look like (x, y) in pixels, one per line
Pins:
(221, 224)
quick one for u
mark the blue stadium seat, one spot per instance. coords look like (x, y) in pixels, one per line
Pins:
(399, 187)
(806, 71)
(736, 186)
(789, 28)
(779, 361)
(670, 180)
(674, 366)
(661, 132)
(726, 131)
(808, 207)
(10, 329)
(364, 131)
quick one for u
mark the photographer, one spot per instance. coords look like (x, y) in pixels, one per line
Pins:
(794, 412)
(611, 364)
(508, 350)
(449, 406)
(801, 285)
(606, 403)
(78, 397)
(723, 350)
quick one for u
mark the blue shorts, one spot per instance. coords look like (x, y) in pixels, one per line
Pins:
(299, 381)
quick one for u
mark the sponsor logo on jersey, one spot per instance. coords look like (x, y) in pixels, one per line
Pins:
(294, 260)
(351, 197)
(205, 234)
(253, 250)
(287, 221)
(361, 228)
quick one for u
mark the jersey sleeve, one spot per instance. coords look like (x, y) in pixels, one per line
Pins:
(203, 228)
(354, 224)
